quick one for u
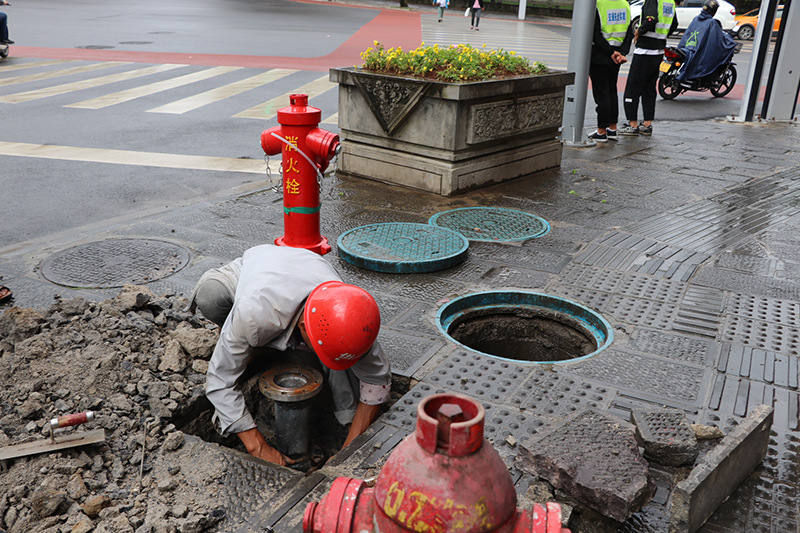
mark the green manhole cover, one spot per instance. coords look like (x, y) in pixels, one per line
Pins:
(492, 223)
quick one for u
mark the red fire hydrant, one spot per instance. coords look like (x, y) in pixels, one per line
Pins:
(307, 150)
(444, 478)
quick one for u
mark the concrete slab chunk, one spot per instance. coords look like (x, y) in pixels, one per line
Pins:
(666, 435)
(594, 458)
(721, 471)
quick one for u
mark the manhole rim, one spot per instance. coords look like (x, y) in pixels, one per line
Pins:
(593, 329)
(401, 266)
(433, 221)
(46, 272)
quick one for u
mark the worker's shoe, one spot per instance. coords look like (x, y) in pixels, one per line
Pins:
(628, 130)
(645, 130)
(598, 137)
(612, 135)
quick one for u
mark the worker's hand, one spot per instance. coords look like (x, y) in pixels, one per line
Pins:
(364, 416)
(636, 35)
(618, 58)
(257, 446)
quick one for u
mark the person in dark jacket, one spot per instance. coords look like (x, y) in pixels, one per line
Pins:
(611, 42)
(658, 21)
(706, 46)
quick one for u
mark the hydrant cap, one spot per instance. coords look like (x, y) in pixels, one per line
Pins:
(299, 113)
(451, 424)
(342, 323)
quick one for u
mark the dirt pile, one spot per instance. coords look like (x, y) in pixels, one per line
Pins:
(138, 361)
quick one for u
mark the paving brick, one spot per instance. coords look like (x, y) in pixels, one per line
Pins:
(721, 471)
(666, 436)
(593, 457)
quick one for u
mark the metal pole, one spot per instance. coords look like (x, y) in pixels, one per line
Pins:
(766, 18)
(780, 100)
(523, 6)
(580, 49)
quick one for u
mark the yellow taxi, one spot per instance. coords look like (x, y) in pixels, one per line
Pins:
(746, 24)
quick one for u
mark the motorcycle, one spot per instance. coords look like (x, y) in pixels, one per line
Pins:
(720, 83)
(4, 49)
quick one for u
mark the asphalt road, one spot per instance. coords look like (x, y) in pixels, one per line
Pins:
(114, 110)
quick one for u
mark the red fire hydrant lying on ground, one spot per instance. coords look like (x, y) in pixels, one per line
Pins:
(443, 478)
(307, 150)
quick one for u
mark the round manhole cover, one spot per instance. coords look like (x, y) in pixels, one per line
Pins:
(402, 248)
(492, 223)
(525, 326)
(114, 263)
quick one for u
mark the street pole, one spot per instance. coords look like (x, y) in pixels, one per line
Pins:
(580, 49)
(523, 6)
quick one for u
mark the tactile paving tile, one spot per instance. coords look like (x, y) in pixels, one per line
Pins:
(115, 262)
(759, 365)
(591, 278)
(661, 290)
(591, 298)
(678, 347)
(784, 312)
(247, 484)
(525, 257)
(700, 312)
(482, 377)
(735, 397)
(407, 352)
(546, 393)
(642, 312)
(761, 334)
(649, 375)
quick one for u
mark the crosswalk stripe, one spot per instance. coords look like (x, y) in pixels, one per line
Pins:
(153, 88)
(333, 119)
(85, 84)
(269, 109)
(35, 64)
(215, 95)
(146, 159)
(58, 73)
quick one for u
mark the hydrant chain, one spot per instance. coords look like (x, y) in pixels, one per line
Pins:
(310, 162)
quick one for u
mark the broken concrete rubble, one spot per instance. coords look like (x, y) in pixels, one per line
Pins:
(666, 436)
(594, 458)
(121, 358)
(721, 471)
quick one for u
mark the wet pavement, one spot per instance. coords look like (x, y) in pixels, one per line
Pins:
(688, 243)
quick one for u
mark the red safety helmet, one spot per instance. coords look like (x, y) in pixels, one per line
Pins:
(342, 323)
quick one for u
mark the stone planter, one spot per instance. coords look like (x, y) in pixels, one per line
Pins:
(448, 138)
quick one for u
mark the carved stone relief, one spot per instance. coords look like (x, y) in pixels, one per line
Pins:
(513, 117)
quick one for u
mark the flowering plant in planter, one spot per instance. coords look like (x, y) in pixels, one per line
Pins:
(455, 63)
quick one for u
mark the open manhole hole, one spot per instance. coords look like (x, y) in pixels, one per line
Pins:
(492, 224)
(525, 327)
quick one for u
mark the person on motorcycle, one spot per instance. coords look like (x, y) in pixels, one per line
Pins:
(706, 46)
(611, 42)
(4, 25)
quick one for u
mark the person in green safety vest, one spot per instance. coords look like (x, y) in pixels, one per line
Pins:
(658, 21)
(611, 42)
